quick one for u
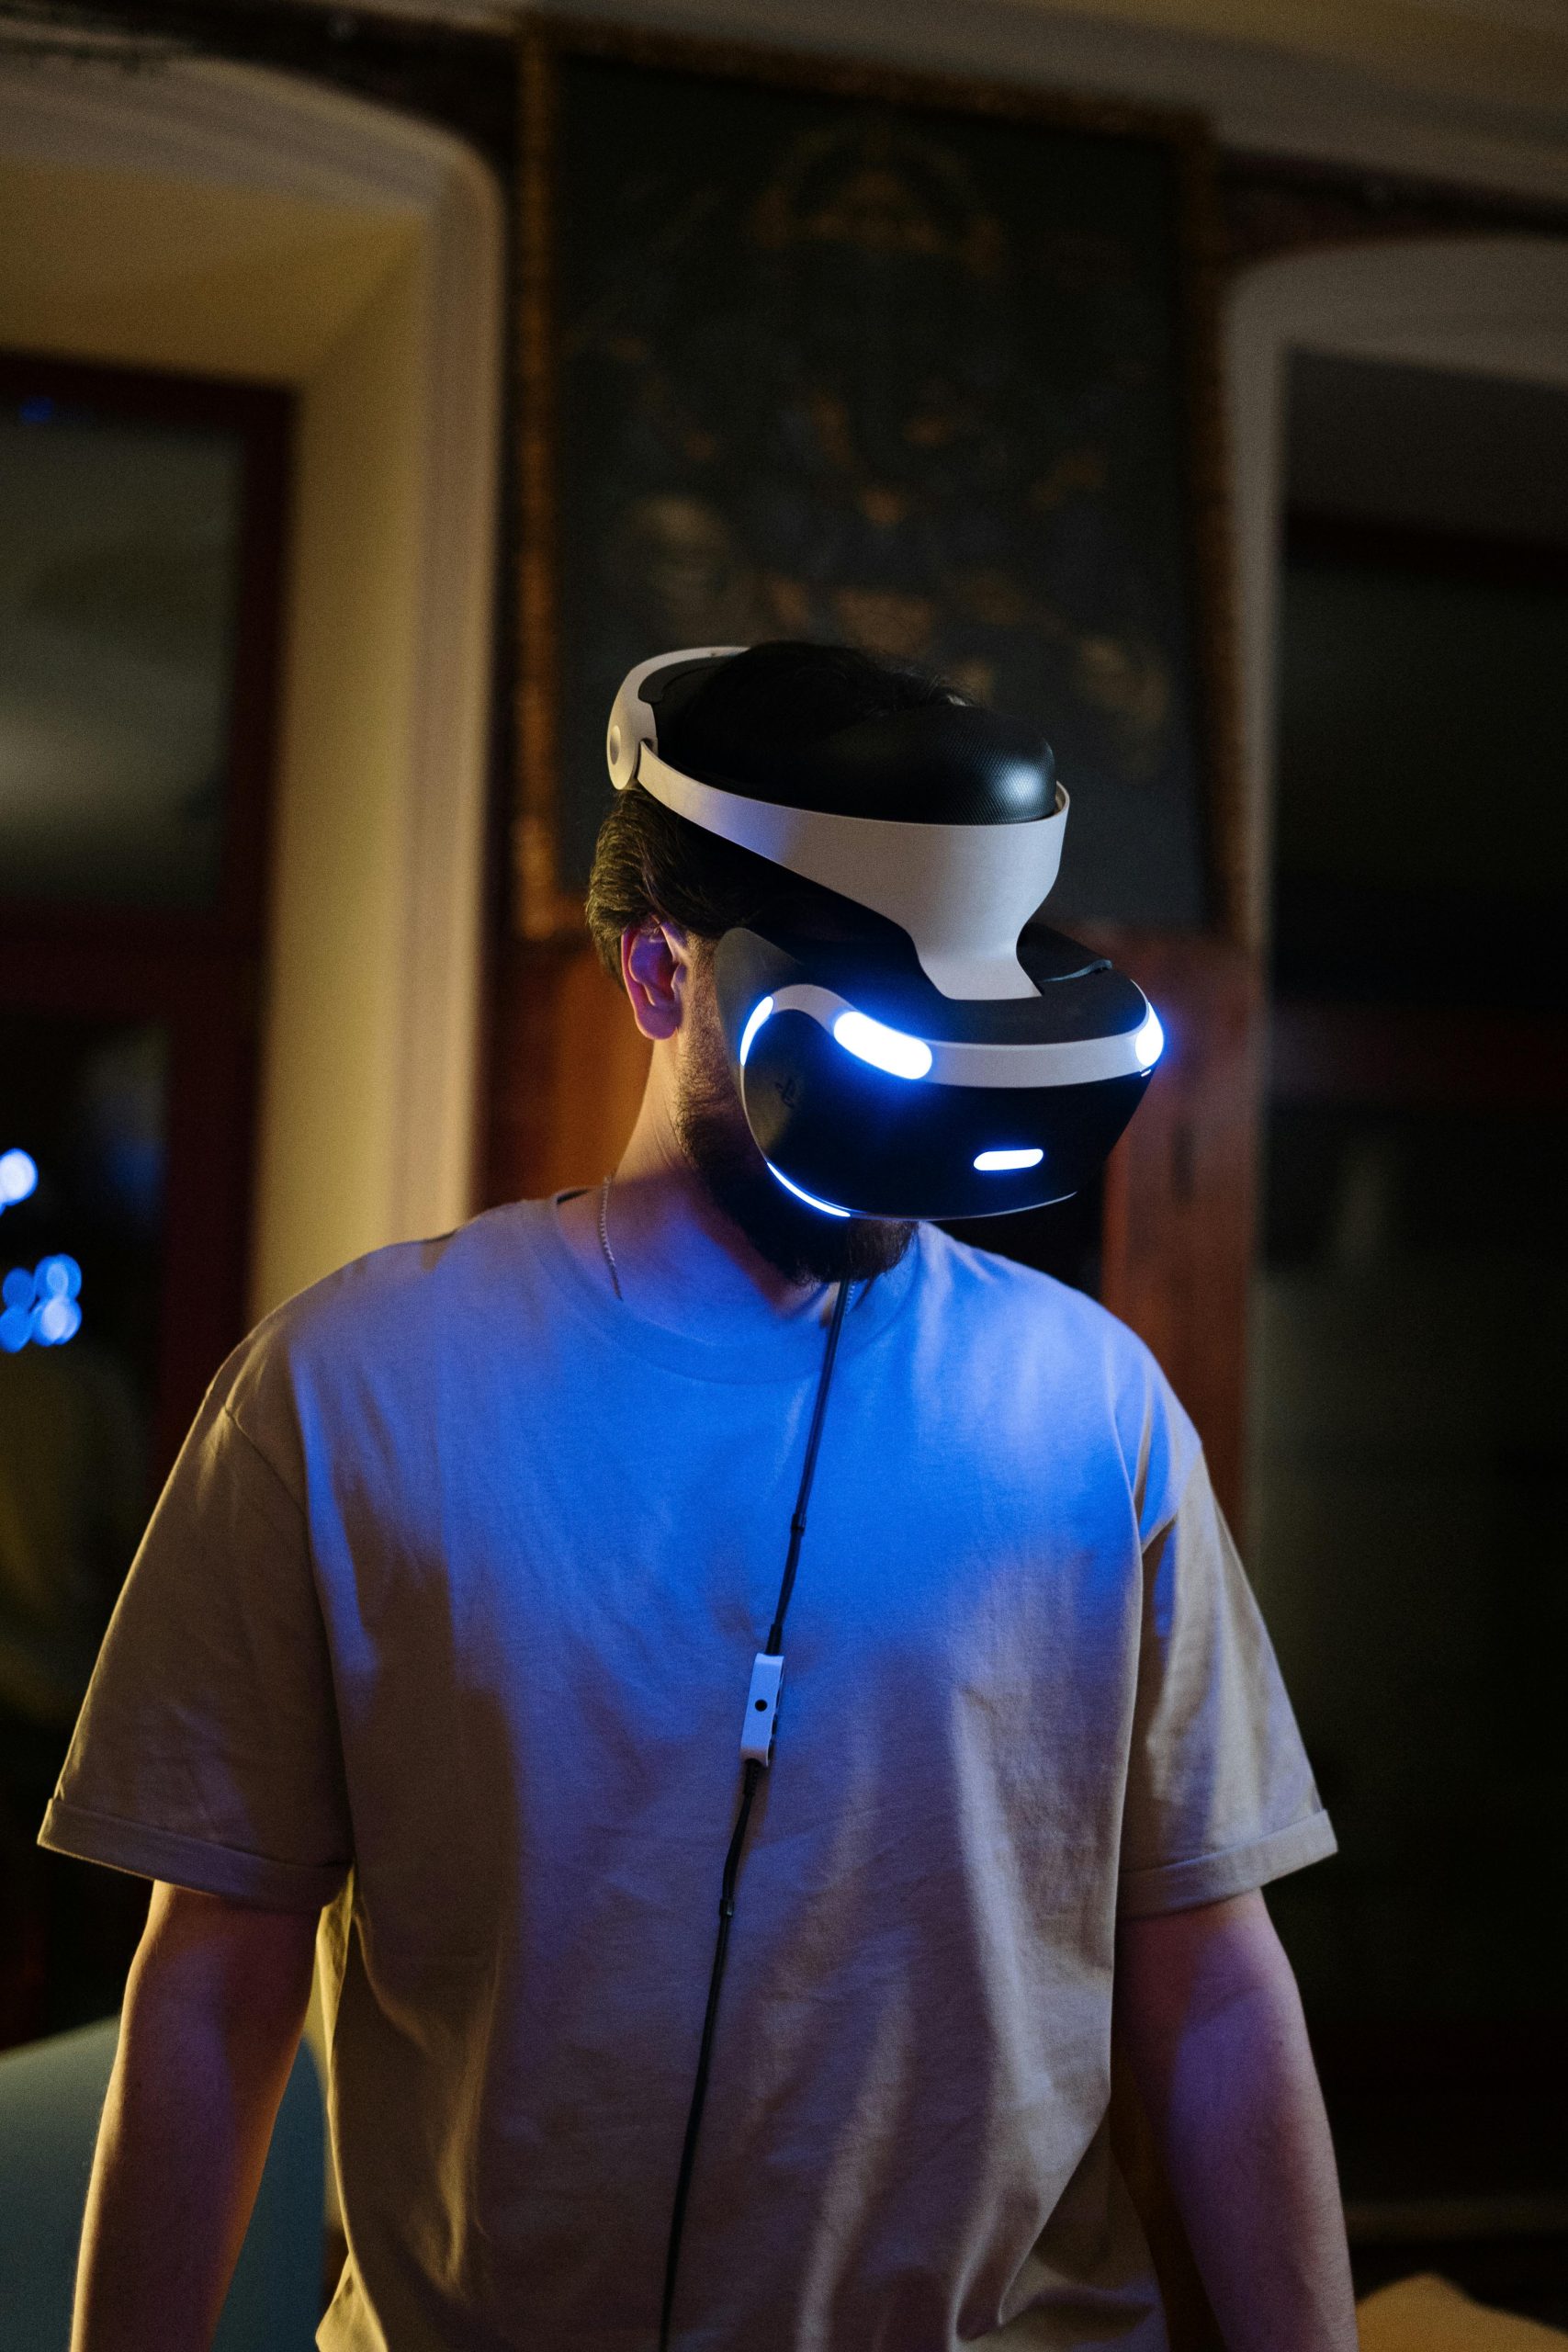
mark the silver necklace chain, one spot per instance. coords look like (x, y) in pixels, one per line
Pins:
(604, 1237)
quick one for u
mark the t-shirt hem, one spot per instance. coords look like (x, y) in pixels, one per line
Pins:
(148, 1852)
(1211, 1877)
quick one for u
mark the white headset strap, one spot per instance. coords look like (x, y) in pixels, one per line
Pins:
(962, 892)
(632, 722)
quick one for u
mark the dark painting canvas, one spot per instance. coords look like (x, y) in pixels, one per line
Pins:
(908, 376)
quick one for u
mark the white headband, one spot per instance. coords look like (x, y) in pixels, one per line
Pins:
(962, 892)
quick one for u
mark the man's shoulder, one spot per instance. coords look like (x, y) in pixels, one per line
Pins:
(1052, 1346)
(384, 1314)
(1016, 1302)
(402, 1278)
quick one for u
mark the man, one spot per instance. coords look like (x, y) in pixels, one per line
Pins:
(438, 1637)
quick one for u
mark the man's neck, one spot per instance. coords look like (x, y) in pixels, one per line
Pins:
(681, 1261)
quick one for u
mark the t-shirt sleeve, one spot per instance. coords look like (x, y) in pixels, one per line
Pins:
(1220, 1795)
(206, 1749)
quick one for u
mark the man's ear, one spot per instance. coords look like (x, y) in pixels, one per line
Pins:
(656, 968)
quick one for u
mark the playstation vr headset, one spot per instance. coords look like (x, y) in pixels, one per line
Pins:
(934, 1049)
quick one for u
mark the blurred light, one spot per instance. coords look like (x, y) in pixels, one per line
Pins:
(59, 1319)
(992, 1162)
(759, 1013)
(36, 410)
(18, 1177)
(810, 1199)
(884, 1049)
(60, 1277)
(41, 1305)
(1148, 1043)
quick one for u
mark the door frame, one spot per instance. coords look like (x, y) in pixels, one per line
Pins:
(355, 253)
(1481, 305)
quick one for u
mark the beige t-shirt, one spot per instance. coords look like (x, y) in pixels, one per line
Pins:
(445, 1620)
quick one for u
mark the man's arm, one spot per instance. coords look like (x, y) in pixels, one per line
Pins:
(1213, 2023)
(213, 2009)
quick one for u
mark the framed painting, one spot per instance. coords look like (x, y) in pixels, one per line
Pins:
(818, 350)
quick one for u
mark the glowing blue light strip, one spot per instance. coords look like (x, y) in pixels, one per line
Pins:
(758, 1015)
(884, 1049)
(952, 1061)
(827, 1208)
(992, 1163)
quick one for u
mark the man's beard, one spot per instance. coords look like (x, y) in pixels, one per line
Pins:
(800, 1243)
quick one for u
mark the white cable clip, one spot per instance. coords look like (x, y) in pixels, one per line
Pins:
(762, 1710)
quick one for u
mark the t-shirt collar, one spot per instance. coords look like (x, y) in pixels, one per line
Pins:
(790, 1352)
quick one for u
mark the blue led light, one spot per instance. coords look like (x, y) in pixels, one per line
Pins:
(18, 1177)
(1148, 1043)
(755, 1019)
(884, 1049)
(18, 1288)
(826, 1207)
(992, 1163)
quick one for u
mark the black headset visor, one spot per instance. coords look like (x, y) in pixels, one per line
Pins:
(870, 1094)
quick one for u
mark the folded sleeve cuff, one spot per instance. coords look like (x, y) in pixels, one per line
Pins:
(189, 1861)
(1210, 1878)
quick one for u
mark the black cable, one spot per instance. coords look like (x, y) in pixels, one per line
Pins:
(751, 1774)
(808, 1471)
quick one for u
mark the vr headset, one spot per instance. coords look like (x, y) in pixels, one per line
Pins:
(930, 1049)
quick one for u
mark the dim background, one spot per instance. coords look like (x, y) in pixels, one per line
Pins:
(265, 1002)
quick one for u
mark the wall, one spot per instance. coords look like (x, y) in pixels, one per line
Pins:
(121, 266)
(1472, 92)
(325, 1178)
